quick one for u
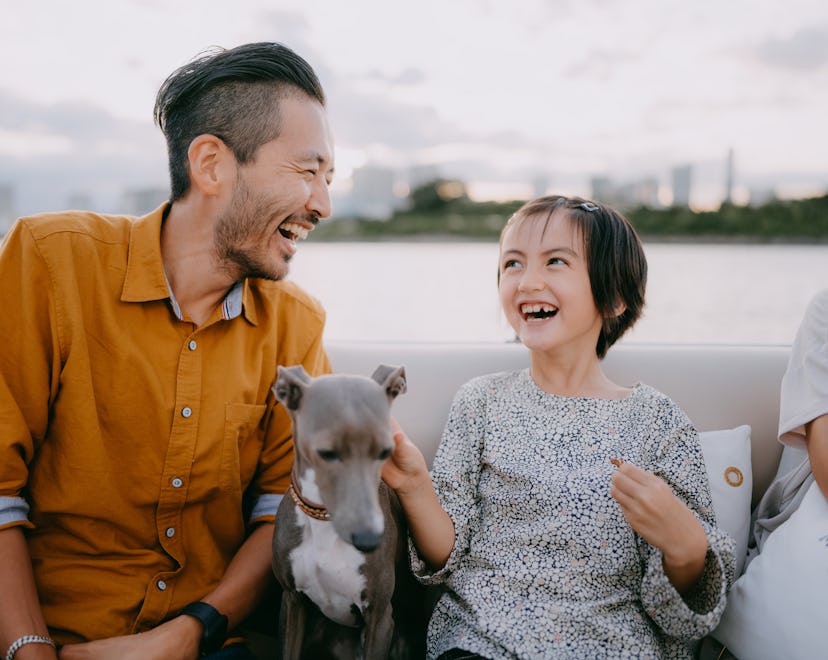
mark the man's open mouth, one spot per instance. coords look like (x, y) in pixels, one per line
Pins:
(538, 310)
(292, 231)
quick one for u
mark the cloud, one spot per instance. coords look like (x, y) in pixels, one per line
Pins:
(407, 77)
(804, 50)
(52, 151)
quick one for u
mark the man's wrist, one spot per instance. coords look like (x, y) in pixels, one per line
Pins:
(213, 622)
(31, 646)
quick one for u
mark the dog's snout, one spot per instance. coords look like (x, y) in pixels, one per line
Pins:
(366, 541)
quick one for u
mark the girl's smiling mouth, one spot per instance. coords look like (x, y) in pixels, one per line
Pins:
(539, 311)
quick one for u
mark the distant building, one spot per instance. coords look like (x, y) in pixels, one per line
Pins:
(372, 194)
(761, 196)
(419, 175)
(140, 201)
(603, 190)
(682, 176)
(8, 212)
(643, 192)
(540, 186)
(79, 201)
(729, 178)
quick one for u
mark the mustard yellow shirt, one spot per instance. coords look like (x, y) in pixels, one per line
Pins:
(136, 447)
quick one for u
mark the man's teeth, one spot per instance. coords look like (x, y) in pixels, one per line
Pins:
(296, 232)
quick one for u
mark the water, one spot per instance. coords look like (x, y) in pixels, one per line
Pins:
(697, 293)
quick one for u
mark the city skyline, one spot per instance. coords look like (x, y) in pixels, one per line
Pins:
(503, 96)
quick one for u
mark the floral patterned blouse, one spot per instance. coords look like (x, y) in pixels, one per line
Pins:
(544, 563)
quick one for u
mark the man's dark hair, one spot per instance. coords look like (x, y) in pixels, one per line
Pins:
(615, 259)
(233, 94)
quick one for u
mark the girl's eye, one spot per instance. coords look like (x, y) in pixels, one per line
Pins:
(511, 263)
(556, 261)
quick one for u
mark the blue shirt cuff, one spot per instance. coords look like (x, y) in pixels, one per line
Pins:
(265, 506)
(13, 510)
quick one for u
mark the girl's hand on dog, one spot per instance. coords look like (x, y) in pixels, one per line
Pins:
(405, 470)
(429, 525)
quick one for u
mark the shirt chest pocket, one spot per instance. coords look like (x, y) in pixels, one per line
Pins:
(243, 439)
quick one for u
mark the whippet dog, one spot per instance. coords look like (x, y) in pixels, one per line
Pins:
(340, 545)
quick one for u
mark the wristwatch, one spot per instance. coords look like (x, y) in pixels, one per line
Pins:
(214, 625)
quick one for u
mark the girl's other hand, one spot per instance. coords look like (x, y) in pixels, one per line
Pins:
(663, 520)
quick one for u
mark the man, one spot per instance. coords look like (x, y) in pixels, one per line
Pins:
(142, 456)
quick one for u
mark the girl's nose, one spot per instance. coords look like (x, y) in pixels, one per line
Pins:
(530, 281)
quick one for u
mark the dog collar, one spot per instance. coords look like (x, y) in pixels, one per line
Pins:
(312, 509)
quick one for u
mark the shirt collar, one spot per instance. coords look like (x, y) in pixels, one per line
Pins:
(145, 279)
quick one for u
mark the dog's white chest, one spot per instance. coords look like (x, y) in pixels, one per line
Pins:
(328, 571)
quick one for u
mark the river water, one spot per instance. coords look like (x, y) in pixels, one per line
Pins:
(697, 293)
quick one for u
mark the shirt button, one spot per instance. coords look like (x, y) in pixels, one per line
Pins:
(177, 483)
(192, 345)
(170, 532)
(186, 411)
(162, 586)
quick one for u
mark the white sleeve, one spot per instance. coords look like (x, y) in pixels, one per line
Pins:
(804, 395)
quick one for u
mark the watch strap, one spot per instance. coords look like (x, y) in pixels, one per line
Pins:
(214, 625)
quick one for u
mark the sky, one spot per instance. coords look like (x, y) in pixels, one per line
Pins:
(511, 96)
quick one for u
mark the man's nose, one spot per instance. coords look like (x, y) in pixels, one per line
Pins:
(319, 202)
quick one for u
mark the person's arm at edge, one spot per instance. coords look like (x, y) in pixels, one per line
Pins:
(816, 434)
(247, 579)
(18, 598)
(431, 528)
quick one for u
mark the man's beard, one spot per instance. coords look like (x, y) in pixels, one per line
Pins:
(246, 223)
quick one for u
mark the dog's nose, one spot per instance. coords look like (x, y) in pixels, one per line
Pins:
(366, 541)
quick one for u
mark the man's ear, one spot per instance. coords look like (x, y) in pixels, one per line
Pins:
(211, 162)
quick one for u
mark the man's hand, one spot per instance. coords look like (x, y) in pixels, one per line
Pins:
(664, 521)
(176, 639)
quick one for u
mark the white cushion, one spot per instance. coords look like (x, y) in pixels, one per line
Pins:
(777, 608)
(727, 457)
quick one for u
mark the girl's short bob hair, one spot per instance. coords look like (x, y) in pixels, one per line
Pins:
(615, 259)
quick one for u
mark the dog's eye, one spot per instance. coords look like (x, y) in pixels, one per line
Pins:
(328, 455)
(385, 453)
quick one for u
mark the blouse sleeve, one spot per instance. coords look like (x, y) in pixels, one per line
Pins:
(455, 475)
(804, 394)
(679, 462)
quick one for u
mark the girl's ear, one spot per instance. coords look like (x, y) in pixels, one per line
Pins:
(618, 310)
(209, 159)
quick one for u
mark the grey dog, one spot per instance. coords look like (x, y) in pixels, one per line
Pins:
(340, 545)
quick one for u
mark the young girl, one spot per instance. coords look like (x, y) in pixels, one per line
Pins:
(569, 516)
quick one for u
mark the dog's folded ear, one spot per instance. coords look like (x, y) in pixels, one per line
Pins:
(392, 380)
(290, 385)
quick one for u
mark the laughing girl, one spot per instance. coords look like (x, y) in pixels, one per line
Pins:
(566, 516)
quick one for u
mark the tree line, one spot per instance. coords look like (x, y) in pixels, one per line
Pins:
(442, 210)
